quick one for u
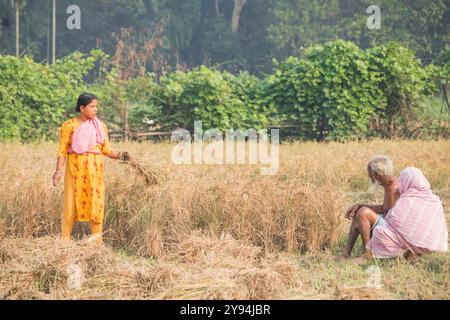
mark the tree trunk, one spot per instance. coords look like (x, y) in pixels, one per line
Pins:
(446, 96)
(48, 32)
(54, 32)
(238, 5)
(216, 2)
(17, 28)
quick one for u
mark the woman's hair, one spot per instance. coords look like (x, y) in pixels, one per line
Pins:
(84, 99)
(381, 165)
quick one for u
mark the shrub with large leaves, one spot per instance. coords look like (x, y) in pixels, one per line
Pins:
(221, 101)
(251, 91)
(35, 98)
(331, 93)
(404, 83)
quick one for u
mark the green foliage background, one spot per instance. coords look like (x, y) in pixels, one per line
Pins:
(333, 91)
(199, 31)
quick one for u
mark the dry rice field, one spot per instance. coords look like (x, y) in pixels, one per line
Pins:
(212, 231)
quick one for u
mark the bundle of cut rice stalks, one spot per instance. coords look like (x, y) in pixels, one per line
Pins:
(151, 176)
(50, 268)
(201, 266)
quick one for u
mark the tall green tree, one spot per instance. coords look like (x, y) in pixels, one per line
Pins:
(419, 25)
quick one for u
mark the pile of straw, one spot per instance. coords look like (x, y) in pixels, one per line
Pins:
(198, 268)
(228, 269)
(40, 269)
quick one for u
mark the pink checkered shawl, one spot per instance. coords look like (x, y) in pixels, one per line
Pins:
(416, 222)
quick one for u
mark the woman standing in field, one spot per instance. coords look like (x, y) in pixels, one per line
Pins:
(84, 141)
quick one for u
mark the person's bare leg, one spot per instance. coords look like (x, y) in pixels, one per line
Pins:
(352, 236)
(367, 218)
(362, 245)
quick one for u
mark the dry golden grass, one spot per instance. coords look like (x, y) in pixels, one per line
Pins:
(198, 268)
(189, 216)
(273, 212)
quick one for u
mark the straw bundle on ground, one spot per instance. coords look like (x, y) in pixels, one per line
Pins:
(229, 269)
(44, 268)
(214, 269)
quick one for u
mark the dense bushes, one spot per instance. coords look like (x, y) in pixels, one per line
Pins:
(339, 91)
(404, 83)
(334, 91)
(219, 100)
(331, 92)
(35, 98)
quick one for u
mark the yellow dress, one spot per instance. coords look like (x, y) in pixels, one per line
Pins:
(84, 186)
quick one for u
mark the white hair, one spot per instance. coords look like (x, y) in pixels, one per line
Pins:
(381, 165)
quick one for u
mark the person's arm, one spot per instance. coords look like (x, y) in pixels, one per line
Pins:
(60, 164)
(391, 193)
(113, 155)
(389, 199)
(353, 209)
(106, 150)
(64, 142)
(57, 175)
(375, 208)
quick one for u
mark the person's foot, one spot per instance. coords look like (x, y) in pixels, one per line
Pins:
(95, 238)
(366, 257)
(341, 257)
(368, 254)
(411, 257)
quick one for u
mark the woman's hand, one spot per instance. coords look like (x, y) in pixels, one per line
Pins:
(116, 155)
(57, 177)
(125, 156)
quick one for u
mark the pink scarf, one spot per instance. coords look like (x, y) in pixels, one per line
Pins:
(87, 136)
(418, 215)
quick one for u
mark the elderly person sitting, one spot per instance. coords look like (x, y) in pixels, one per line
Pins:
(415, 225)
(410, 222)
(366, 217)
